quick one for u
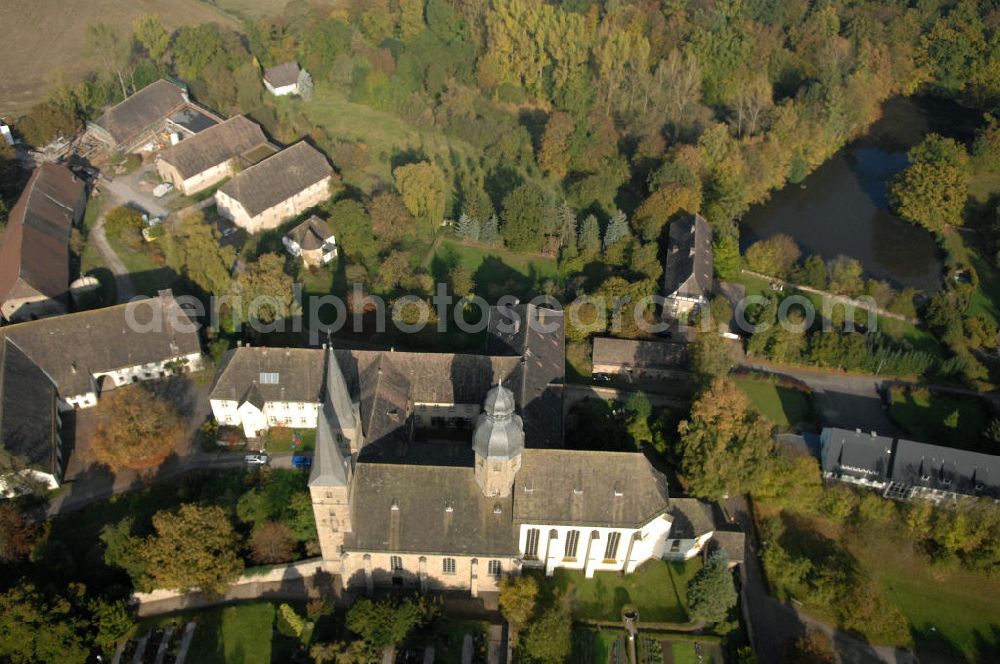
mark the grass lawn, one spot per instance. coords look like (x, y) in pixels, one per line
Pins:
(923, 414)
(386, 135)
(785, 406)
(147, 277)
(280, 439)
(658, 588)
(495, 269)
(234, 634)
(683, 652)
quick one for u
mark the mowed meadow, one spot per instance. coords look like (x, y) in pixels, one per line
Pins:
(44, 39)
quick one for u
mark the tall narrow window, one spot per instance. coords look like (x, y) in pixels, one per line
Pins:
(572, 540)
(494, 568)
(531, 545)
(396, 563)
(611, 550)
(448, 565)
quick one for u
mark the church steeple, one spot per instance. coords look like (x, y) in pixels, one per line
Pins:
(498, 440)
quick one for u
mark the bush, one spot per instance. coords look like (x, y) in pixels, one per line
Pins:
(123, 223)
(272, 542)
(290, 623)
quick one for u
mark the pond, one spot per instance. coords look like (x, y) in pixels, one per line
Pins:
(842, 207)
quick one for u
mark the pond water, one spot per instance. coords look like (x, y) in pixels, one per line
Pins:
(842, 208)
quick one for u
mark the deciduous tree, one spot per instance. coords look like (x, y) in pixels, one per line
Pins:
(194, 548)
(932, 190)
(422, 186)
(725, 444)
(136, 428)
(272, 542)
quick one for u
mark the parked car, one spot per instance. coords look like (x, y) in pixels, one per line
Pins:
(303, 461)
(256, 459)
(161, 190)
(602, 378)
(229, 231)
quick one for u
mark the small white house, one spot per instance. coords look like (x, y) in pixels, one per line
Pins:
(282, 79)
(313, 241)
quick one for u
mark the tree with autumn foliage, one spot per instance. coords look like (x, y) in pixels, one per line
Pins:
(194, 548)
(725, 444)
(136, 428)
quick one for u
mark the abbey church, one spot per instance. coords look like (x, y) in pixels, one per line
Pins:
(438, 471)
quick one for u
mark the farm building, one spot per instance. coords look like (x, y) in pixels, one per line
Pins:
(34, 247)
(212, 155)
(276, 189)
(151, 118)
(638, 359)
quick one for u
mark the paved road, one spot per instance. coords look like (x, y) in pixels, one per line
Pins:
(774, 623)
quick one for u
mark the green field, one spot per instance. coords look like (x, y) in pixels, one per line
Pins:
(658, 588)
(386, 135)
(239, 634)
(923, 414)
(785, 406)
(495, 271)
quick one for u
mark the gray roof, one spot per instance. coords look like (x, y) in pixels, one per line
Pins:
(588, 488)
(34, 247)
(538, 379)
(946, 469)
(311, 234)
(387, 384)
(640, 354)
(284, 74)
(331, 466)
(688, 268)
(278, 178)
(28, 419)
(690, 518)
(855, 453)
(733, 543)
(300, 374)
(499, 433)
(72, 347)
(422, 521)
(213, 146)
(129, 118)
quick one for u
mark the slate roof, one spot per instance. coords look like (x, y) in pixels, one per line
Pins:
(946, 469)
(28, 418)
(387, 384)
(300, 374)
(422, 522)
(688, 268)
(72, 347)
(733, 543)
(690, 518)
(855, 453)
(34, 247)
(537, 337)
(129, 118)
(281, 75)
(640, 354)
(311, 234)
(277, 178)
(583, 487)
(215, 145)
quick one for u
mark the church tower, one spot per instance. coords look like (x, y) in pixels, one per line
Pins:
(498, 440)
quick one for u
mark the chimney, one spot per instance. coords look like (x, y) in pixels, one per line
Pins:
(239, 343)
